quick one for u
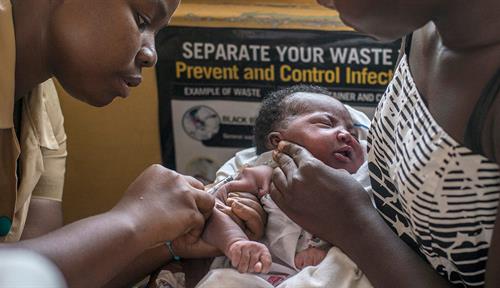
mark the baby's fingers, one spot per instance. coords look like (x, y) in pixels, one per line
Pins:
(266, 261)
(235, 255)
(299, 261)
(244, 261)
(261, 260)
(257, 268)
(254, 260)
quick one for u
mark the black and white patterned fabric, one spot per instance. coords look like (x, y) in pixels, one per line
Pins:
(436, 194)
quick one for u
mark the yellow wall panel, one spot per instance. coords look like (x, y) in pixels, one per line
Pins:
(108, 147)
(298, 14)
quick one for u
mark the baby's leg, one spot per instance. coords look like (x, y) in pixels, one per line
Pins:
(311, 256)
(250, 256)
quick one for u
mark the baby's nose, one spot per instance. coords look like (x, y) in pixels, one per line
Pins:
(344, 136)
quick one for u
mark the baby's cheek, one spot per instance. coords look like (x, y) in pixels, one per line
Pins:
(360, 153)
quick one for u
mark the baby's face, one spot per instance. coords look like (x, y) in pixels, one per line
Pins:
(325, 128)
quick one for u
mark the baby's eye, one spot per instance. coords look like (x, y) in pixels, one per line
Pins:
(325, 123)
(142, 22)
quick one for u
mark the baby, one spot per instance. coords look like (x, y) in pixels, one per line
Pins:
(305, 115)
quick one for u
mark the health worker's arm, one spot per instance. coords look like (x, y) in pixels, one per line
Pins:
(158, 256)
(44, 216)
(159, 205)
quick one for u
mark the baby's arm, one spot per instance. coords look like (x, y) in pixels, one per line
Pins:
(222, 232)
(247, 256)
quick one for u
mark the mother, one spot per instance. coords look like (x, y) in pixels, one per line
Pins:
(434, 152)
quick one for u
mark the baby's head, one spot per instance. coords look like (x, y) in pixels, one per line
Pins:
(308, 116)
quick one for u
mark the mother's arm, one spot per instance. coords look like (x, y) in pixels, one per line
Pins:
(339, 211)
(493, 265)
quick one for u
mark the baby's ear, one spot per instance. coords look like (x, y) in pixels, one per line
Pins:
(273, 139)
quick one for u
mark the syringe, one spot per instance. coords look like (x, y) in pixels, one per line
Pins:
(219, 184)
(264, 159)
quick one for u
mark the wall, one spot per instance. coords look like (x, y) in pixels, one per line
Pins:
(286, 14)
(108, 147)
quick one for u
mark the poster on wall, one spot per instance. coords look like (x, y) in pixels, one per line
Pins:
(211, 81)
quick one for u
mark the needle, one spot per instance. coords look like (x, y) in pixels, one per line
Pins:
(270, 162)
(219, 184)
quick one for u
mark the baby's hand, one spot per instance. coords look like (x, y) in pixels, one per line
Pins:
(311, 256)
(250, 256)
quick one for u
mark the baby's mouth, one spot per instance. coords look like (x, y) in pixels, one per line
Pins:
(344, 154)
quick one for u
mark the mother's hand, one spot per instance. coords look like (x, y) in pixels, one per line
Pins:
(323, 200)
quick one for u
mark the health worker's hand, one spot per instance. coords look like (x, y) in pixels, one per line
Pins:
(327, 202)
(163, 205)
